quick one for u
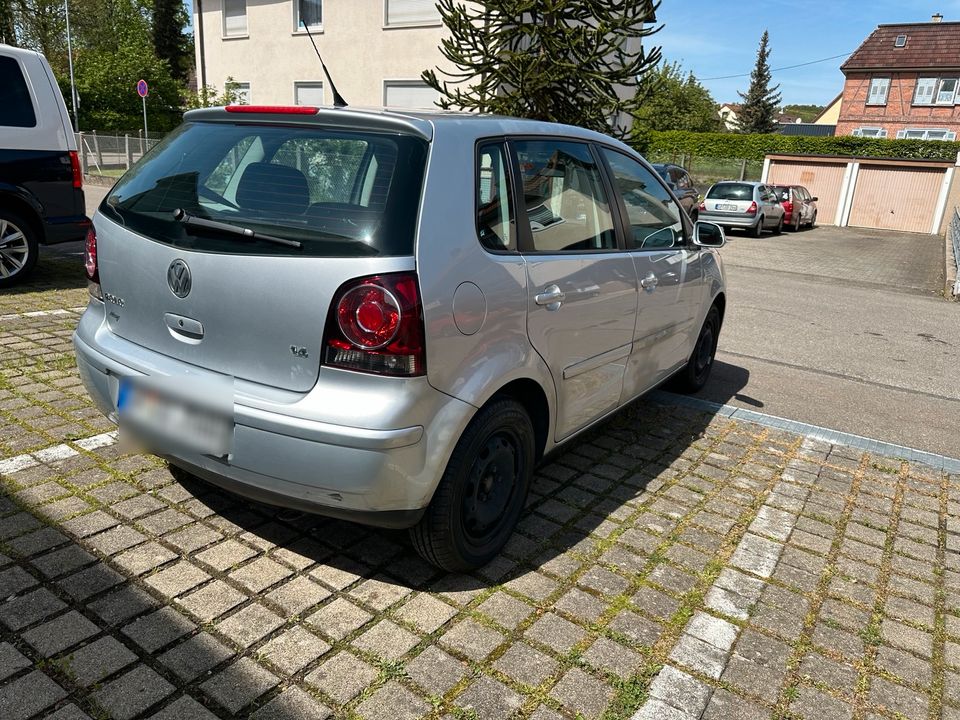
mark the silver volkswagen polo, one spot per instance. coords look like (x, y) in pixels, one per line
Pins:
(387, 317)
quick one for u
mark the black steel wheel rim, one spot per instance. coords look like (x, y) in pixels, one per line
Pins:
(490, 488)
(704, 354)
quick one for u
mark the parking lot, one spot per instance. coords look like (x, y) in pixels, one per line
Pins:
(670, 564)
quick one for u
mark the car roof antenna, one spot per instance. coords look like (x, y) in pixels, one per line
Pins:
(338, 100)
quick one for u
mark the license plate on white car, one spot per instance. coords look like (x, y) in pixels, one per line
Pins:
(161, 415)
(726, 206)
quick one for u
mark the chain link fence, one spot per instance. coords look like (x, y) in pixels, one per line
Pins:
(705, 171)
(955, 236)
(112, 155)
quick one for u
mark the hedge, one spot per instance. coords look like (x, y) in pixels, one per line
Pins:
(755, 147)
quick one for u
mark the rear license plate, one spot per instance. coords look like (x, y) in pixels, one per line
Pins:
(726, 206)
(182, 417)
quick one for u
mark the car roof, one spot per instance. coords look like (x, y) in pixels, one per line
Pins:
(425, 123)
(17, 52)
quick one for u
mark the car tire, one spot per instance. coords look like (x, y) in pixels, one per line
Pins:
(813, 222)
(796, 222)
(482, 492)
(696, 372)
(19, 248)
(778, 230)
(757, 230)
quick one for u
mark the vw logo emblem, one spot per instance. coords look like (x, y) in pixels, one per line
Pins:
(179, 279)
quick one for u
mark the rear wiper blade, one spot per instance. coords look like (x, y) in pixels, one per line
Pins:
(181, 215)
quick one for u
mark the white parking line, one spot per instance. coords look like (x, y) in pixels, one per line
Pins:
(54, 453)
(43, 313)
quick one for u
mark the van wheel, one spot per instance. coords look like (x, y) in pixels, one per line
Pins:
(482, 492)
(697, 370)
(757, 230)
(18, 248)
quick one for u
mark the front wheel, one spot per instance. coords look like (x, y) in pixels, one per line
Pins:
(813, 222)
(796, 221)
(696, 372)
(482, 492)
(18, 249)
(778, 230)
(757, 230)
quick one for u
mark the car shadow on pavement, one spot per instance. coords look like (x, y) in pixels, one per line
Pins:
(176, 602)
(58, 281)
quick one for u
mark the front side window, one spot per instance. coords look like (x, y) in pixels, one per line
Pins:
(308, 13)
(16, 107)
(234, 18)
(566, 207)
(655, 219)
(879, 88)
(411, 12)
(494, 199)
(946, 91)
(923, 95)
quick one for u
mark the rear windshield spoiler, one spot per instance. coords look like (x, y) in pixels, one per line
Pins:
(340, 118)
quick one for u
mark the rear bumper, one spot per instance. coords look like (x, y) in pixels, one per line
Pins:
(724, 220)
(379, 476)
(65, 229)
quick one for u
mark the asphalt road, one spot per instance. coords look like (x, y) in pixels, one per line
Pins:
(869, 358)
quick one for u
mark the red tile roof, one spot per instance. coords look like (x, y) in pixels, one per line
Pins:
(929, 45)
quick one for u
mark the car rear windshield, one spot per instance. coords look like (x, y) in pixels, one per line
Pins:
(336, 193)
(731, 191)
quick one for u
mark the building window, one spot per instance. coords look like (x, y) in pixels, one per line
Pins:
(409, 94)
(411, 12)
(234, 18)
(924, 92)
(926, 134)
(901, 41)
(872, 132)
(308, 93)
(879, 88)
(241, 92)
(946, 91)
(309, 12)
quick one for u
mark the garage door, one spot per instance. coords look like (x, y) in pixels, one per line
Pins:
(889, 198)
(823, 180)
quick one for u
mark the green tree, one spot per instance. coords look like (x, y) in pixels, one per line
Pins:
(675, 100)
(571, 61)
(807, 113)
(169, 42)
(760, 102)
(8, 34)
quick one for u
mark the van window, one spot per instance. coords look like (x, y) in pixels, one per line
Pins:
(338, 193)
(567, 208)
(16, 106)
(494, 199)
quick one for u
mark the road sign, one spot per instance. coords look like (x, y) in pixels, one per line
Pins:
(142, 88)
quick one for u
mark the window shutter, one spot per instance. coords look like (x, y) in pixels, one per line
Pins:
(309, 93)
(409, 95)
(411, 12)
(924, 93)
(234, 17)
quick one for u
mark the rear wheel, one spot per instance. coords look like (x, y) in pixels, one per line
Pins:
(796, 221)
(18, 248)
(697, 370)
(482, 492)
(757, 230)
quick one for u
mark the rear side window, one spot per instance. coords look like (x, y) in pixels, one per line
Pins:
(337, 193)
(16, 106)
(494, 199)
(731, 191)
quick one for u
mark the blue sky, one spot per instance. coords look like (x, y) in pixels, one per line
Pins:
(715, 38)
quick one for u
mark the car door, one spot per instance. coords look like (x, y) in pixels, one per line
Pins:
(582, 286)
(669, 272)
(771, 208)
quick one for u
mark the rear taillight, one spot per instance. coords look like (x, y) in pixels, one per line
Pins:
(90, 264)
(752, 210)
(376, 326)
(75, 167)
(703, 206)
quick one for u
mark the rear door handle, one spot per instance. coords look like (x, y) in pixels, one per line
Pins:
(552, 296)
(649, 282)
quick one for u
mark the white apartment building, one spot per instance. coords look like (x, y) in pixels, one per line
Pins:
(375, 50)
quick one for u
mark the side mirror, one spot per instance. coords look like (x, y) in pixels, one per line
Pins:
(814, 199)
(706, 234)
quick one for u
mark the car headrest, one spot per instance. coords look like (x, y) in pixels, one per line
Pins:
(268, 187)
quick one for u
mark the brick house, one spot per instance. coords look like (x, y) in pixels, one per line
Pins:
(904, 82)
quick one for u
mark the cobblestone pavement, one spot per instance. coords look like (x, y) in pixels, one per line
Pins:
(670, 565)
(907, 262)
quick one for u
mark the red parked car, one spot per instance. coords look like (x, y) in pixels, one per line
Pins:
(799, 206)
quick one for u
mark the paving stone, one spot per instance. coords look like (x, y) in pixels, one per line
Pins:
(581, 605)
(655, 709)
(845, 643)
(247, 626)
(28, 695)
(840, 676)
(613, 657)
(211, 601)
(92, 581)
(472, 639)
(337, 576)
(98, 660)
(898, 699)
(812, 704)
(556, 633)
(293, 650)
(339, 618)
(36, 542)
(672, 579)
(753, 678)
(30, 608)
(681, 691)
(700, 656)
(116, 540)
(719, 633)
(505, 609)
(192, 538)
(195, 656)
(756, 555)
(436, 671)
(298, 595)
(636, 628)
(69, 712)
(184, 708)
(725, 705)
(121, 605)
(177, 579)
(534, 585)
(656, 603)
(225, 555)
(145, 557)
(426, 612)
(393, 702)
(583, 693)
(603, 581)
(132, 693)
(63, 561)
(906, 637)
(260, 574)
(342, 677)
(138, 506)
(292, 703)
(489, 699)
(526, 665)
(239, 684)
(60, 633)
(379, 592)
(159, 628)
(15, 580)
(11, 661)
(904, 665)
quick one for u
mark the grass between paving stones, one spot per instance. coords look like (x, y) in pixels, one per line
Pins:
(939, 672)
